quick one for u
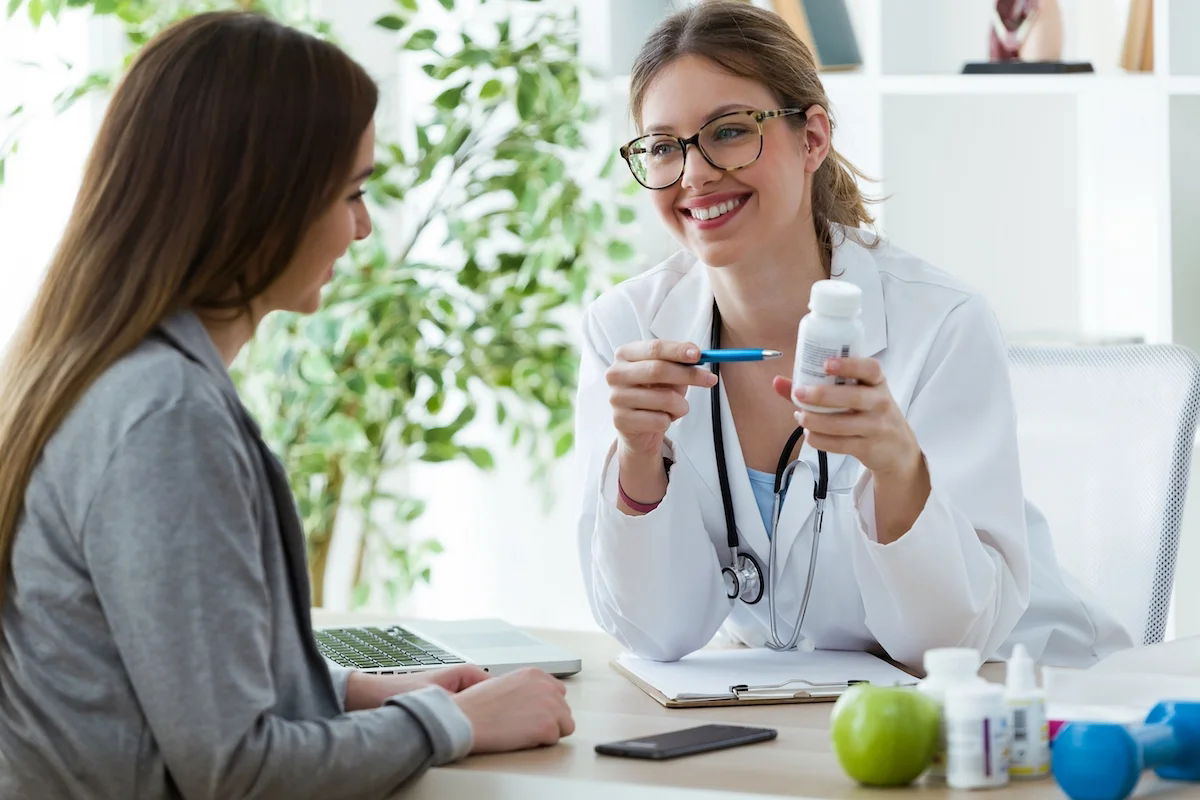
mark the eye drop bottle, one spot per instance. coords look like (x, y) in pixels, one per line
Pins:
(832, 329)
(1030, 756)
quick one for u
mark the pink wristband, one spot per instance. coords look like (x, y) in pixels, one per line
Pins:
(641, 508)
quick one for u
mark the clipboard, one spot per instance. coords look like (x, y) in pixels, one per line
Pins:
(693, 683)
(742, 694)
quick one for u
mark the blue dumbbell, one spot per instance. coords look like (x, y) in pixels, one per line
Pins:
(1103, 761)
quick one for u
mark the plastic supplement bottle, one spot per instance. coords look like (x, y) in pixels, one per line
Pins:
(976, 737)
(832, 328)
(947, 668)
(1030, 756)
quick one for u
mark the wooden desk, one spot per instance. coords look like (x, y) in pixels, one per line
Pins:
(798, 764)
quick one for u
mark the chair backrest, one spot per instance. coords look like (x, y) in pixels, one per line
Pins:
(1106, 436)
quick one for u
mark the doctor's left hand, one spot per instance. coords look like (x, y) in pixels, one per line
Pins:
(875, 432)
(364, 690)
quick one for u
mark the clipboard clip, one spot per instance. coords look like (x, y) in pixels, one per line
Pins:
(785, 690)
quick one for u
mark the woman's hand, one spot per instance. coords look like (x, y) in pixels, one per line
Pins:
(649, 380)
(874, 431)
(521, 709)
(365, 690)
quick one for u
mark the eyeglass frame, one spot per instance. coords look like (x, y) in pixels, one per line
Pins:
(759, 118)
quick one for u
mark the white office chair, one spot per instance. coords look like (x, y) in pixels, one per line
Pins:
(1106, 436)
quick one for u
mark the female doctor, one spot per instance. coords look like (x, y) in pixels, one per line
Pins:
(925, 539)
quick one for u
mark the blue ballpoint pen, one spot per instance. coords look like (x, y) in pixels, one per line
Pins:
(725, 356)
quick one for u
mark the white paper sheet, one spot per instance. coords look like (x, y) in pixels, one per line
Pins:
(708, 674)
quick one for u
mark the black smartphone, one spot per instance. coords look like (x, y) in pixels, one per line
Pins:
(686, 742)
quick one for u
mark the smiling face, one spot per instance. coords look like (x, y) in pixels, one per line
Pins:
(729, 217)
(345, 220)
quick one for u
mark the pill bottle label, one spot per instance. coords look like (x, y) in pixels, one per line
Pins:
(977, 752)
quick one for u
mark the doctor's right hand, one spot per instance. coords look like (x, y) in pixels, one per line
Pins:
(515, 711)
(649, 380)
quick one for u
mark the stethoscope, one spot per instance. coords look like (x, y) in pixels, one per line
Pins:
(744, 579)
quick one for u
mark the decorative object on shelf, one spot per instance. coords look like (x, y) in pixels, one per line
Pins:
(1026, 36)
(825, 26)
(1138, 53)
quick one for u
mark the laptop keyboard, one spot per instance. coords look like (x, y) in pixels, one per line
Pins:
(370, 648)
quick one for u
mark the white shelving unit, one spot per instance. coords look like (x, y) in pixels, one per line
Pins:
(1071, 201)
(1051, 194)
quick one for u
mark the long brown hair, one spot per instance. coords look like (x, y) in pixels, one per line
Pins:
(753, 43)
(228, 137)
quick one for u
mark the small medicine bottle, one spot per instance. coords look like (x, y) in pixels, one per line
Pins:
(946, 668)
(976, 737)
(832, 328)
(1030, 755)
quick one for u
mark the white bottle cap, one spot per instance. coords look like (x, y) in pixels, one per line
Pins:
(835, 298)
(952, 662)
(983, 700)
(1019, 678)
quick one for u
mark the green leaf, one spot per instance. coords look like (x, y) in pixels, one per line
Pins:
(447, 4)
(480, 457)
(451, 98)
(620, 251)
(102, 7)
(423, 39)
(527, 95)
(13, 5)
(35, 9)
(493, 88)
(391, 22)
(2, 163)
(411, 5)
(437, 452)
(410, 509)
(563, 444)
(626, 215)
(474, 56)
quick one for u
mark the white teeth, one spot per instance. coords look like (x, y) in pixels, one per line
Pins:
(718, 210)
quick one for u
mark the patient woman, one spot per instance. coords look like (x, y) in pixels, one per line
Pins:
(154, 611)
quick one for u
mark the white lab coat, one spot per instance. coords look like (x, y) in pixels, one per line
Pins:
(977, 568)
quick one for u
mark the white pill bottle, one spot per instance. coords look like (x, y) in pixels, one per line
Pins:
(977, 737)
(948, 668)
(832, 329)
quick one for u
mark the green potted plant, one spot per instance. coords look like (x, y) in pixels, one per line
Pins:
(487, 238)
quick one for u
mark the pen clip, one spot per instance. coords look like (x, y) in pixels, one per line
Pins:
(742, 691)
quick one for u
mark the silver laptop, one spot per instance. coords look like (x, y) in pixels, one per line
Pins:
(416, 646)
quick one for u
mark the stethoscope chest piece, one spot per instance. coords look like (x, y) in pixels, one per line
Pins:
(744, 580)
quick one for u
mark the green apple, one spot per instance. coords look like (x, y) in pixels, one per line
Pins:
(884, 736)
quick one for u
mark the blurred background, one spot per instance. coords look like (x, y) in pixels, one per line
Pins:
(432, 455)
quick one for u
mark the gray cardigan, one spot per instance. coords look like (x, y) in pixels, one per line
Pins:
(156, 638)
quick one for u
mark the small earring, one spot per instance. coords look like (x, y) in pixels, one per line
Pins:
(808, 148)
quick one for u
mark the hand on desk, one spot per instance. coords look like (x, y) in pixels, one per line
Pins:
(364, 690)
(521, 709)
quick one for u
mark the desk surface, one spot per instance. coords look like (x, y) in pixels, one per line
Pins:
(798, 764)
